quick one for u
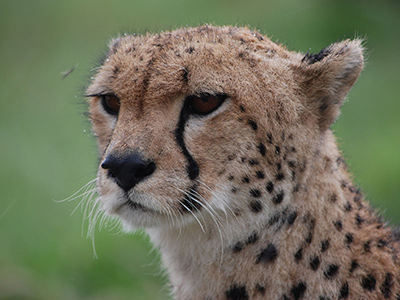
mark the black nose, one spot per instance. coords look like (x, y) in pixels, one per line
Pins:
(128, 170)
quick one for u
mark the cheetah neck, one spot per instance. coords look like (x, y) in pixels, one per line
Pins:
(322, 228)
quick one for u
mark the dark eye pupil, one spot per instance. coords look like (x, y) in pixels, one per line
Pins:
(111, 104)
(205, 104)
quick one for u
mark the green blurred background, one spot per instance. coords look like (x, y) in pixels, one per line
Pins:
(47, 151)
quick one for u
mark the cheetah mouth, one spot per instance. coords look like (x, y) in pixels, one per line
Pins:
(135, 206)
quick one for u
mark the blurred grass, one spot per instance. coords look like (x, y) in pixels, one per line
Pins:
(47, 152)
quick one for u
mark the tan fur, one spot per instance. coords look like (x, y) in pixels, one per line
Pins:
(310, 237)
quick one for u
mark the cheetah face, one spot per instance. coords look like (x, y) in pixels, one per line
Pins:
(200, 123)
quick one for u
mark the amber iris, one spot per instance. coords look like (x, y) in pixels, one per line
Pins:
(205, 104)
(111, 104)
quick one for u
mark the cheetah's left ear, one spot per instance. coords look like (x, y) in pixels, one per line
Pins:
(328, 76)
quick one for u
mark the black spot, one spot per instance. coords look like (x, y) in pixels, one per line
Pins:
(242, 108)
(256, 206)
(298, 255)
(367, 246)
(260, 175)
(344, 291)
(333, 198)
(314, 263)
(190, 50)
(381, 243)
(253, 124)
(278, 198)
(324, 245)
(274, 219)
(260, 289)
(267, 255)
(269, 138)
(280, 176)
(237, 292)
(359, 220)
(368, 283)
(237, 247)
(347, 206)
(298, 290)
(262, 149)
(246, 179)
(331, 271)
(230, 177)
(255, 193)
(309, 220)
(185, 75)
(313, 58)
(253, 238)
(387, 285)
(349, 238)
(354, 265)
(277, 150)
(292, 217)
(338, 225)
(270, 187)
(309, 238)
(324, 106)
(292, 164)
(253, 162)
(231, 157)
(234, 190)
(278, 166)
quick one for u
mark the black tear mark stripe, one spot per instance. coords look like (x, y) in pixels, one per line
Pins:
(190, 201)
(192, 167)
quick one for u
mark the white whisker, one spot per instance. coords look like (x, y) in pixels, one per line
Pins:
(78, 193)
(217, 222)
(189, 210)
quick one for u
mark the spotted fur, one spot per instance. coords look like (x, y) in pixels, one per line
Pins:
(252, 200)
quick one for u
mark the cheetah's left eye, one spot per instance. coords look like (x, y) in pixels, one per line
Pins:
(205, 103)
(111, 104)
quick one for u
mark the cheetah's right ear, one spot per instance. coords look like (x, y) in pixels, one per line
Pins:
(328, 76)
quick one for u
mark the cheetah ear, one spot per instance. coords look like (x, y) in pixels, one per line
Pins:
(328, 76)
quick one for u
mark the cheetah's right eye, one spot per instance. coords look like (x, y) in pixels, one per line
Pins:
(205, 103)
(111, 104)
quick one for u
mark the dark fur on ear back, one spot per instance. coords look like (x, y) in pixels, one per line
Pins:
(313, 58)
(328, 76)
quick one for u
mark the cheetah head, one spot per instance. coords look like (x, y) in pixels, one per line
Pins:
(209, 121)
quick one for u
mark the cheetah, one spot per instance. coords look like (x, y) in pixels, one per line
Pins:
(218, 142)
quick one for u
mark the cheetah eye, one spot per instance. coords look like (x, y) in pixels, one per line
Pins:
(111, 104)
(205, 103)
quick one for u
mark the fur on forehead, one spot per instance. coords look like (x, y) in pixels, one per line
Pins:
(211, 60)
(202, 60)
